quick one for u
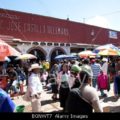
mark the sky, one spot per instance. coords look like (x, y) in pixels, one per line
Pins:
(103, 13)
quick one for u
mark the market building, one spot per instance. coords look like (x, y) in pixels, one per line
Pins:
(47, 37)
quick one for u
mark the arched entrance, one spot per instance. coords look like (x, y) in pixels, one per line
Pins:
(55, 52)
(38, 52)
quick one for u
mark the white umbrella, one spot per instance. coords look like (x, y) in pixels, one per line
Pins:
(26, 56)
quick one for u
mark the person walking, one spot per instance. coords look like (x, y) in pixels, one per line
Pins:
(35, 87)
(96, 71)
(103, 83)
(63, 85)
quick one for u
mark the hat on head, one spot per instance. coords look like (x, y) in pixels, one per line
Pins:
(105, 59)
(88, 70)
(75, 68)
(34, 66)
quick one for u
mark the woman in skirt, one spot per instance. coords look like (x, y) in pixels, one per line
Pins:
(63, 84)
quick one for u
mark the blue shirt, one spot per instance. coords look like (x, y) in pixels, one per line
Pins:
(6, 104)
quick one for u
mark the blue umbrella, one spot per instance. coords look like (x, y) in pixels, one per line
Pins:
(60, 56)
(65, 57)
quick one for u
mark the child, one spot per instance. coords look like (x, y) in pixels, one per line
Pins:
(103, 83)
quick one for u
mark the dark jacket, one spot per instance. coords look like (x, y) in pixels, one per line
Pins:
(75, 104)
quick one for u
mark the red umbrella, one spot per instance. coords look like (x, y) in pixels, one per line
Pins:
(86, 53)
(7, 50)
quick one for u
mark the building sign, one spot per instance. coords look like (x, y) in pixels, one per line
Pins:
(32, 27)
(113, 34)
(14, 23)
(4, 15)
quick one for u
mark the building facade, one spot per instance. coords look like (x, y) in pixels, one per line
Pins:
(47, 37)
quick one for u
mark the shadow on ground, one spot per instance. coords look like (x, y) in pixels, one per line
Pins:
(112, 99)
(44, 102)
(114, 109)
(57, 111)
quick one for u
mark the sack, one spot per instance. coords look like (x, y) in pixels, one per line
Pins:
(27, 97)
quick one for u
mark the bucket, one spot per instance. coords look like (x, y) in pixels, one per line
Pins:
(20, 108)
(106, 109)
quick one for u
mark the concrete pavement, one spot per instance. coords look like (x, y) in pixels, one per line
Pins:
(109, 103)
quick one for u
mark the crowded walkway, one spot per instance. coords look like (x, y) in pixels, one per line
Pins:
(110, 103)
(48, 89)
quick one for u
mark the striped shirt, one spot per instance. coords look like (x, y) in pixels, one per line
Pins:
(95, 69)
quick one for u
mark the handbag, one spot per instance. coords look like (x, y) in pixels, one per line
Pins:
(64, 84)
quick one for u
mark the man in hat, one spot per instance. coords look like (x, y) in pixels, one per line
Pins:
(35, 87)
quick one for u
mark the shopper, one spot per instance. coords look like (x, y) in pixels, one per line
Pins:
(35, 87)
(85, 98)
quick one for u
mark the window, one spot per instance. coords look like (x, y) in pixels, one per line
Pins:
(56, 44)
(67, 44)
(61, 44)
(113, 34)
(42, 43)
(49, 44)
(35, 43)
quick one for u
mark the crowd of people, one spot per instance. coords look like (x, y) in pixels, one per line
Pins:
(74, 83)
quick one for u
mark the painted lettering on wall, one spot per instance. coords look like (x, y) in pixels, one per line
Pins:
(12, 24)
(4, 15)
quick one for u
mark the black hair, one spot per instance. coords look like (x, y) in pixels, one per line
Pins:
(84, 75)
(11, 65)
(85, 61)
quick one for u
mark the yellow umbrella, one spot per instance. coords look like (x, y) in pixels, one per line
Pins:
(108, 52)
(26, 56)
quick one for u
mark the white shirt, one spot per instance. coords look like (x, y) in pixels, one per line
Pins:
(105, 67)
(34, 84)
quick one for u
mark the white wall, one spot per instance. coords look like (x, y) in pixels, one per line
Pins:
(48, 49)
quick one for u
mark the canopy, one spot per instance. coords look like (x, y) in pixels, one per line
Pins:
(106, 47)
(26, 56)
(63, 56)
(86, 53)
(7, 50)
(109, 52)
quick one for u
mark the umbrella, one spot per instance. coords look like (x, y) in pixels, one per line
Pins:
(74, 54)
(86, 53)
(7, 50)
(106, 47)
(26, 56)
(109, 52)
(60, 56)
(63, 56)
